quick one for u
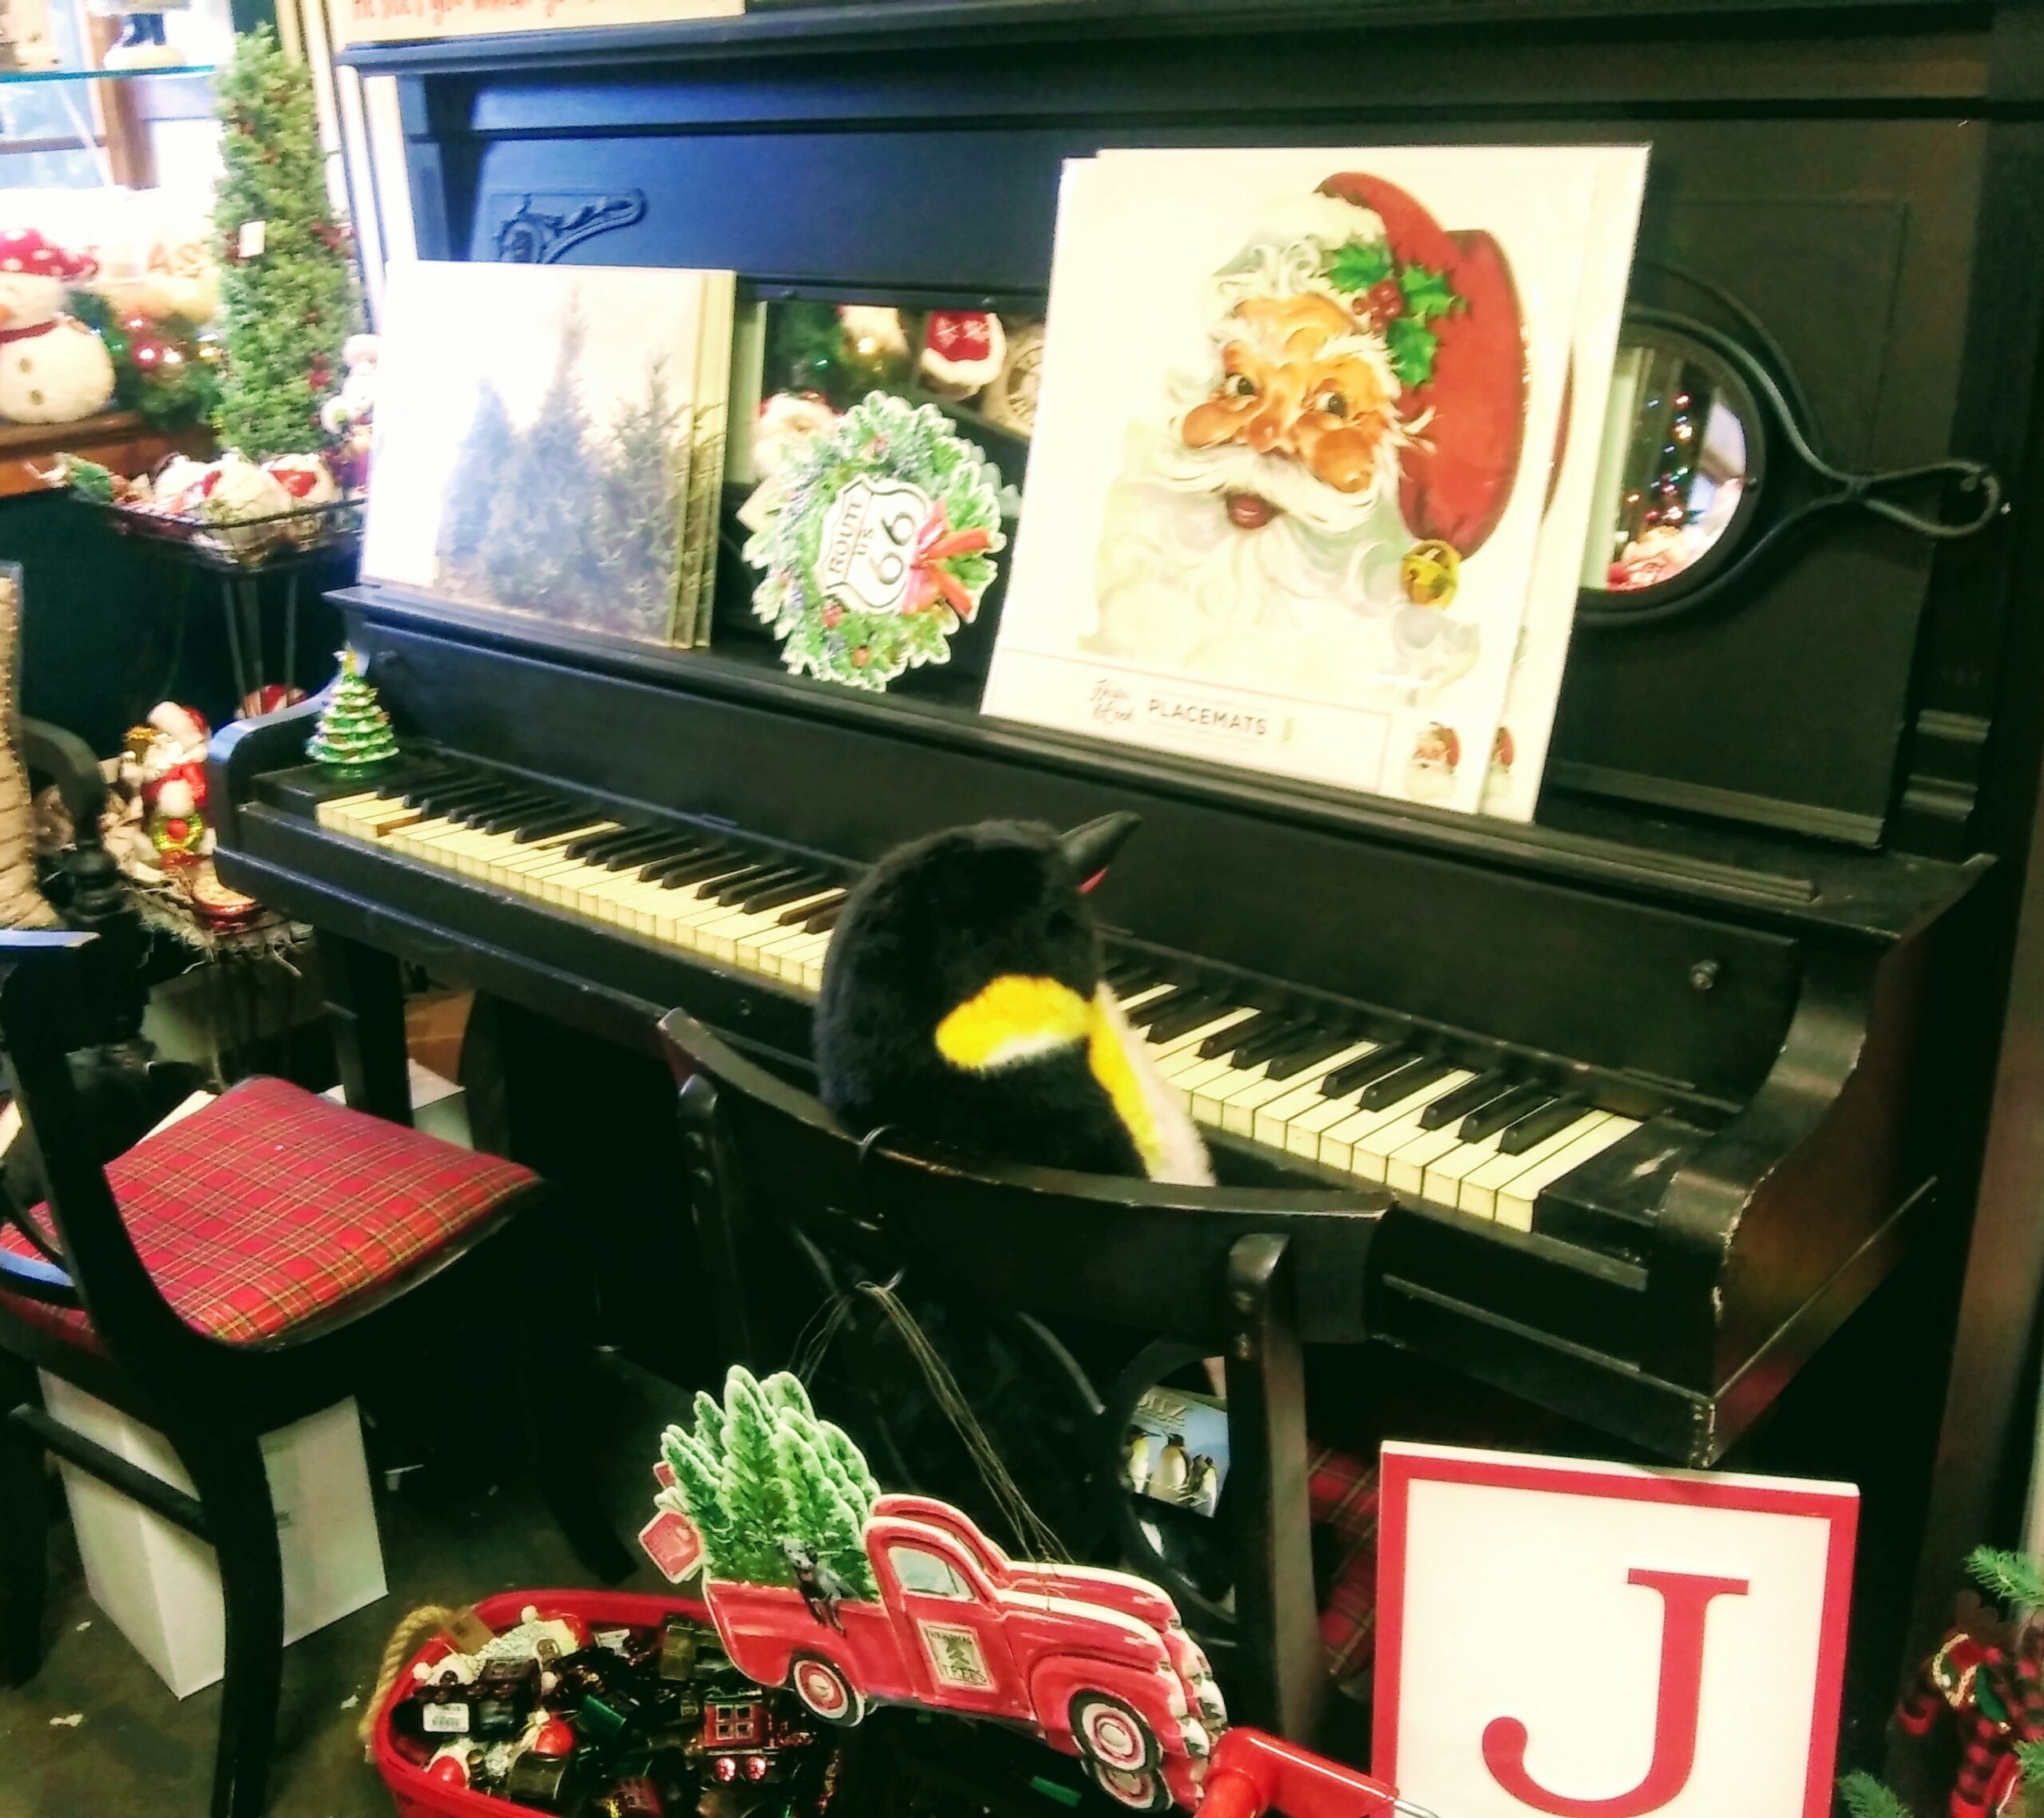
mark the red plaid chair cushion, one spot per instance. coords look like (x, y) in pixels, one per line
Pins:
(1342, 1494)
(273, 1205)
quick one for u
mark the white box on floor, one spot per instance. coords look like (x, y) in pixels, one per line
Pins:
(160, 1587)
(440, 1107)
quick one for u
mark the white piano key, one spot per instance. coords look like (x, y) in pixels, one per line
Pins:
(1338, 1144)
(1514, 1203)
(1308, 1090)
(1480, 1187)
(1370, 1153)
(1406, 1171)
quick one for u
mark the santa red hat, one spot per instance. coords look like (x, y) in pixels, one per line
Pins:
(1455, 477)
(26, 250)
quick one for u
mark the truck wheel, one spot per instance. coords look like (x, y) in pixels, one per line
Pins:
(1110, 1733)
(1143, 1791)
(825, 1691)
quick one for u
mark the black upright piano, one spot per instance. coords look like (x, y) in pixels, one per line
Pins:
(1769, 909)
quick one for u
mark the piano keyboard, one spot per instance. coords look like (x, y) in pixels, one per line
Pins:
(1379, 1110)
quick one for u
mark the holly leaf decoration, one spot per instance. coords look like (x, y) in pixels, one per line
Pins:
(1412, 345)
(1426, 294)
(1359, 264)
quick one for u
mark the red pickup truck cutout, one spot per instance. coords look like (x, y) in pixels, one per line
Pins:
(1096, 1663)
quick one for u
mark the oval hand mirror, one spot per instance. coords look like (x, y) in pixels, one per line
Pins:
(1706, 464)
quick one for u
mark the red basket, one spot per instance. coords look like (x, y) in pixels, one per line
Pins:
(416, 1793)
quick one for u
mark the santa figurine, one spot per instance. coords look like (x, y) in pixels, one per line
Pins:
(350, 415)
(173, 784)
(53, 368)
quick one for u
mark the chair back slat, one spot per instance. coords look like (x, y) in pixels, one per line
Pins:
(1127, 1253)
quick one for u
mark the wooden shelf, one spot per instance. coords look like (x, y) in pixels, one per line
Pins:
(123, 440)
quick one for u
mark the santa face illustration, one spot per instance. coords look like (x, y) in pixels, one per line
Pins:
(1261, 530)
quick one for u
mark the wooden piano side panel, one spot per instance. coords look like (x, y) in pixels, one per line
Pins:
(1780, 1223)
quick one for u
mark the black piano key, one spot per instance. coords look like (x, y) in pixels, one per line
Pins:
(1344, 1080)
(1148, 1015)
(1472, 1095)
(1393, 1087)
(1239, 1035)
(593, 846)
(545, 827)
(729, 890)
(475, 812)
(1126, 977)
(794, 890)
(788, 917)
(661, 843)
(1277, 1039)
(508, 819)
(1537, 1127)
(681, 849)
(455, 795)
(1308, 1054)
(704, 863)
(825, 917)
(1187, 1013)
(1501, 1112)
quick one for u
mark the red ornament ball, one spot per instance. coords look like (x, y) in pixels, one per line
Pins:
(178, 829)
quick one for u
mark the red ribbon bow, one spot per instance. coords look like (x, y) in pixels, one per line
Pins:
(935, 544)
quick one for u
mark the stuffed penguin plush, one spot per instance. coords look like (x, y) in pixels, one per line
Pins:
(963, 1003)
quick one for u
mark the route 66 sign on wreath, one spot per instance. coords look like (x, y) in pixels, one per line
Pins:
(877, 539)
(1582, 1640)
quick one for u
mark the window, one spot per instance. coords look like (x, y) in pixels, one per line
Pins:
(925, 1573)
(64, 133)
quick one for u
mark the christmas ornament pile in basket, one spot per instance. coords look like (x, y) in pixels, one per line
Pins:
(595, 1704)
(231, 513)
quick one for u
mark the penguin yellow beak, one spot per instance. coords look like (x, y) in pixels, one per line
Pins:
(1089, 850)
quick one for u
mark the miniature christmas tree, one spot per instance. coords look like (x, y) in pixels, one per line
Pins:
(764, 1481)
(353, 733)
(287, 301)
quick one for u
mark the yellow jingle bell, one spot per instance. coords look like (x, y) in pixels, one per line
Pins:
(1430, 573)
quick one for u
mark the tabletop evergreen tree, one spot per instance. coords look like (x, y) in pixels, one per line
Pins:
(286, 300)
(353, 733)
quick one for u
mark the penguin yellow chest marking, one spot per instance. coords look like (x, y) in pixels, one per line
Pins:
(1017, 1018)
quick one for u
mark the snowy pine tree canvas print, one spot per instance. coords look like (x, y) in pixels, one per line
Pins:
(534, 441)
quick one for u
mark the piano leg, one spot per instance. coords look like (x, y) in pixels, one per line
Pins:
(1279, 1665)
(364, 994)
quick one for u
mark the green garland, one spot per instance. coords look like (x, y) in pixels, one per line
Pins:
(825, 630)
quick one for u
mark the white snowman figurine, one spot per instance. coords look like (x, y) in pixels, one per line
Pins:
(53, 368)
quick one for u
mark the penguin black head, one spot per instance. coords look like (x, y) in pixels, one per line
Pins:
(934, 924)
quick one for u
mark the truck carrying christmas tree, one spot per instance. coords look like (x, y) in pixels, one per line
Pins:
(818, 1581)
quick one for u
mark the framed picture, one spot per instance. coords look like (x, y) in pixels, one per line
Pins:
(536, 429)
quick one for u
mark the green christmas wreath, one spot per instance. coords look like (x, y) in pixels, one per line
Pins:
(876, 544)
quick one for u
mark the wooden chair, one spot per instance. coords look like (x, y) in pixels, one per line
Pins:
(234, 1271)
(1247, 1274)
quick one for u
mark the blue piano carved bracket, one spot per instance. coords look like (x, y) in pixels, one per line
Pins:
(537, 227)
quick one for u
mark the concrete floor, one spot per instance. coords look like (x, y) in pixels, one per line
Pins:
(453, 1530)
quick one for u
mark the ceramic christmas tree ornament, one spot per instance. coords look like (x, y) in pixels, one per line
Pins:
(354, 735)
(818, 1581)
(53, 368)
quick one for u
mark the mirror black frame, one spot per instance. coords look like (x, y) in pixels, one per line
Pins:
(1766, 518)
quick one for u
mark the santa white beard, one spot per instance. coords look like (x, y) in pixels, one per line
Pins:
(1309, 602)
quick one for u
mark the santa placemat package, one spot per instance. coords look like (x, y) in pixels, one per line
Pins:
(1318, 506)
